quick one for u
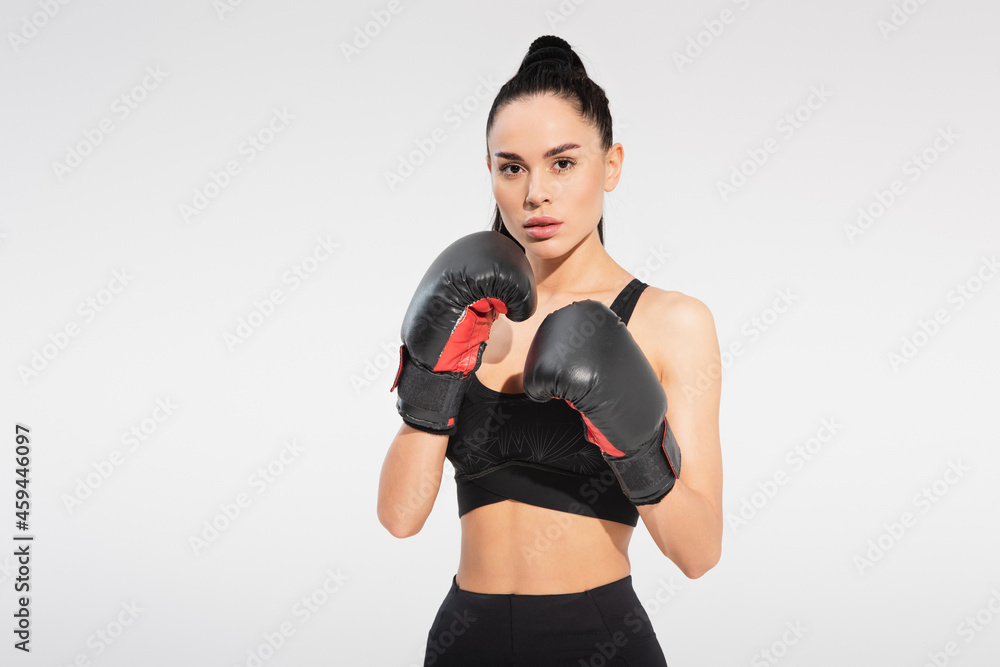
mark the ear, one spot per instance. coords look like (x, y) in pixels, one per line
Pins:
(613, 166)
(489, 166)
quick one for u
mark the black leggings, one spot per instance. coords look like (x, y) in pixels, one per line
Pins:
(600, 627)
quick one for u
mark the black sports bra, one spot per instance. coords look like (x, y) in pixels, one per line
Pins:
(507, 446)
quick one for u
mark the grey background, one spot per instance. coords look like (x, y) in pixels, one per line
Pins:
(318, 369)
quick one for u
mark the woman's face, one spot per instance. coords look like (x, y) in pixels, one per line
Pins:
(547, 162)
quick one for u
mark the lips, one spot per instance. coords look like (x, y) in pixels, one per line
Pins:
(542, 220)
(542, 226)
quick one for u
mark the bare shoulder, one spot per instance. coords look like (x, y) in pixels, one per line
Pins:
(674, 329)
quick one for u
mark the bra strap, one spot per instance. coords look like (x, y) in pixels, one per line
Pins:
(624, 303)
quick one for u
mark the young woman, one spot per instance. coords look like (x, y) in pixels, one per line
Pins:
(547, 509)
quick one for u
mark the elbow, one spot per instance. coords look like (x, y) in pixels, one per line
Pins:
(399, 528)
(402, 532)
(696, 567)
(697, 571)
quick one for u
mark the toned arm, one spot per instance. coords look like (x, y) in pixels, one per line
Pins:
(410, 479)
(687, 524)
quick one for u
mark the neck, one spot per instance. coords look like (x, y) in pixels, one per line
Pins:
(585, 268)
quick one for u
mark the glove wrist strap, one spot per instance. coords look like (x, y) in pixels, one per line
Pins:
(430, 400)
(649, 474)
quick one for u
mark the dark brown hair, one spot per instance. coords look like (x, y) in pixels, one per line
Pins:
(551, 66)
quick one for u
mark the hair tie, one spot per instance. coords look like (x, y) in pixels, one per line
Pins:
(552, 50)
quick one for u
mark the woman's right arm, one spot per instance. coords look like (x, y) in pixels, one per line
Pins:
(411, 477)
(444, 333)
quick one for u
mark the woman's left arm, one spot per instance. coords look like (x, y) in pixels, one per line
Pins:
(687, 523)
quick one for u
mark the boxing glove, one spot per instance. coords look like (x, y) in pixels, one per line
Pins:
(584, 355)
(447, 325)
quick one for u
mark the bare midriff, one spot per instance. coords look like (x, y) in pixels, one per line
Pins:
(511, 547)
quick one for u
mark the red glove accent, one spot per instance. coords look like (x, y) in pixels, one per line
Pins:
(462, 349)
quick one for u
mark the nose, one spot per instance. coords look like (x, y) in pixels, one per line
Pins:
(538, 191)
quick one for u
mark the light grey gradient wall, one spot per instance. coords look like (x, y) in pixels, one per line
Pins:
(202, 329)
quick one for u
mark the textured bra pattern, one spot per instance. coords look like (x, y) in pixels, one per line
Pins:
(498, 429)
(512, 427)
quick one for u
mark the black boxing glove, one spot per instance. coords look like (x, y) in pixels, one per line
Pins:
(448, 322)
(584, 354)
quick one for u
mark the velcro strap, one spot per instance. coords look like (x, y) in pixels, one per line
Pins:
(430, 400)
(648, 475)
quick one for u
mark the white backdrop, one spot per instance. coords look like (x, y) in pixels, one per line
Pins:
(214, 215)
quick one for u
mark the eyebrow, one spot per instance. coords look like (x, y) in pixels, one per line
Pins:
(549, 153)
